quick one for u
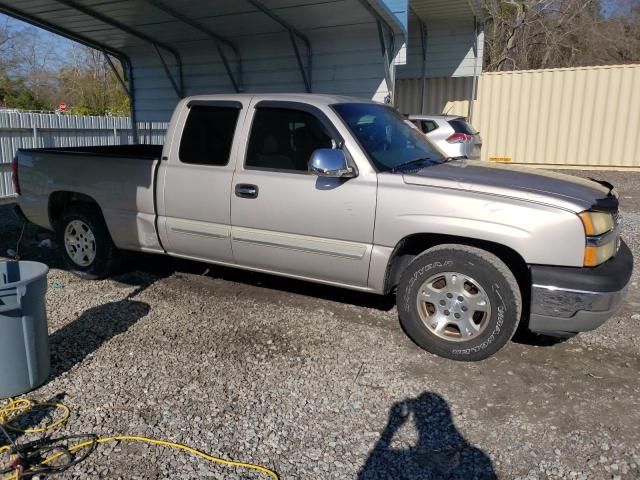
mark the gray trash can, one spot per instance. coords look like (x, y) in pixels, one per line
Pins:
(24, 339)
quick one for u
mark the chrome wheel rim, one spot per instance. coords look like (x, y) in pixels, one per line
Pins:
(453, 306)
(80, 243)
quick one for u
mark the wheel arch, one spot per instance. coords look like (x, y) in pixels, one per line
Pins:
(409, 247)
(60, 200)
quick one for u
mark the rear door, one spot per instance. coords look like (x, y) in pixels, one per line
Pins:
(288, 221)
(474, 143)
(437, 131)
(194, 219)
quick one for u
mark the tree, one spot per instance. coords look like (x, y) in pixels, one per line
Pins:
(38, 73)
(15, 94)
(26, 62)
(89, 86)
(532, 34)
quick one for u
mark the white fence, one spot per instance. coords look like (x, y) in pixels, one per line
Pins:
(39, 130)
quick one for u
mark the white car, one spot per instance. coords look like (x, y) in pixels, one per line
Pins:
(451, 134)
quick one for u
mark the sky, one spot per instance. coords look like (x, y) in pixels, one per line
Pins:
(61, 44)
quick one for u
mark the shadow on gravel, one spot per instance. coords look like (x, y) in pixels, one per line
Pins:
(526, 337)
(74, 342)
(161, 266)
(440, 452)
(301, 287)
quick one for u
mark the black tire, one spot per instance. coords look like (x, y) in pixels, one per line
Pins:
(104, 260)
(497, 325)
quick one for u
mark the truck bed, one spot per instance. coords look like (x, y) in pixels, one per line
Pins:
(120, 179)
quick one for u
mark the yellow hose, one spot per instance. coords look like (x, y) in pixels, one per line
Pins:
(19, 407)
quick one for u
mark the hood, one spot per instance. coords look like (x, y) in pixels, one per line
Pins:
(541, 186)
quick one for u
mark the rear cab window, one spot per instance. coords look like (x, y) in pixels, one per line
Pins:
(208, 135)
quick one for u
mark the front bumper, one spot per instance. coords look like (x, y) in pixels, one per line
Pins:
(567, 300)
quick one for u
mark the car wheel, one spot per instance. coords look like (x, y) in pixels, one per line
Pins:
(459, 302)
(87, 247)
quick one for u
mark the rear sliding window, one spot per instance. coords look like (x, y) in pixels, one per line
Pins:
(208, 135)
(460, 126)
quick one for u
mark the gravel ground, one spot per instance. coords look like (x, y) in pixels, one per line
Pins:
(321, 383)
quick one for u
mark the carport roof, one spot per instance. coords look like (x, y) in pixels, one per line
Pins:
(343, 46)
(120, 24)
(437, 10)
(115, 25)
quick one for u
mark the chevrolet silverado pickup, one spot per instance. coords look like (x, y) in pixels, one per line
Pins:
(346, 192)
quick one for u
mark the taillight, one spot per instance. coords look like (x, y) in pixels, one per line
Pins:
(459, 138)
(14, 175)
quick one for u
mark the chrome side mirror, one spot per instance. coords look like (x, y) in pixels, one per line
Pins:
(330, 162)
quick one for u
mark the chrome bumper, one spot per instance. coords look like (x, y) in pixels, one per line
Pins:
(569, 300)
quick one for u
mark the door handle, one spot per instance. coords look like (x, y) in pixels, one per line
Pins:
(245, 190)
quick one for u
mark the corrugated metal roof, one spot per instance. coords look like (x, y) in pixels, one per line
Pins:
(232, 19)
(431, 11)
(229, 18)
(343, 35)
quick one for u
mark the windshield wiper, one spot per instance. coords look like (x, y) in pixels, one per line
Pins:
(410, 162)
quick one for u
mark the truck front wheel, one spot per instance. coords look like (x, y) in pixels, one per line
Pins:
(459, 302)
(87, 247)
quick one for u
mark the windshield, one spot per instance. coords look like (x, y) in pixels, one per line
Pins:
(389, 139)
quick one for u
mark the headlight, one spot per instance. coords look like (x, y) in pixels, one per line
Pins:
(601, 237)
(596, 223)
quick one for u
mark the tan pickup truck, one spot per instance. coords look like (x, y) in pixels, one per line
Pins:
(345, 192)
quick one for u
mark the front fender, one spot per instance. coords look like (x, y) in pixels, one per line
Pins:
(540, 234)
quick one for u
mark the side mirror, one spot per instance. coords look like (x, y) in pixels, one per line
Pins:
(330, 162)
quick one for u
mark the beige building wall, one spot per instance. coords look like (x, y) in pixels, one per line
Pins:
(583, 117)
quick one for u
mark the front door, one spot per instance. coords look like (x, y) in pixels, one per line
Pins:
(289, 221)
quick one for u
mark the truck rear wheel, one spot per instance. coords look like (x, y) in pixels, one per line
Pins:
(87, 247)
(459, 302)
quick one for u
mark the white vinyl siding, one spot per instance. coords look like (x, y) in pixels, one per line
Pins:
(449, 50)
(346, 60)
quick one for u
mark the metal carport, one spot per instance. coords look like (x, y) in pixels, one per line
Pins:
(170, 49)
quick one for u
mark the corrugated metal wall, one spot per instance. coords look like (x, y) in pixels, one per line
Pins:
(449, 49)
(346, 57)
(567, 116)
(33, 130)
(446, 94)
(572, 116)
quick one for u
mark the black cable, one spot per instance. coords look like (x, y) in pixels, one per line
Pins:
(17, 255)
(8, 437)
(32, 454)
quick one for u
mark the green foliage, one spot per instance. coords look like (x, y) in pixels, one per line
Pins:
(15, 94)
